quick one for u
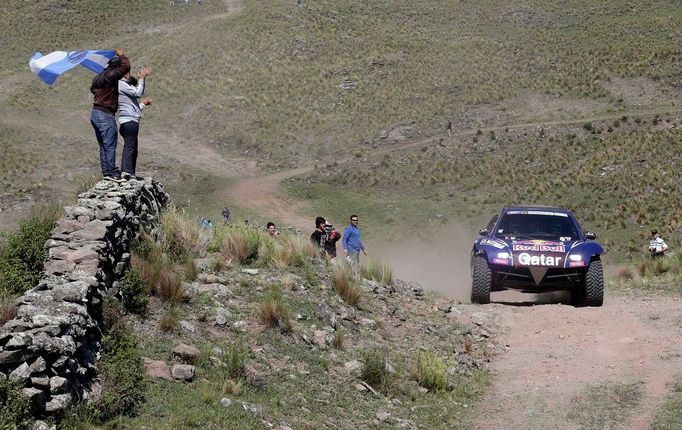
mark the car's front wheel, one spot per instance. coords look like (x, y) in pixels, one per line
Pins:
(482, 279)
(594, 284)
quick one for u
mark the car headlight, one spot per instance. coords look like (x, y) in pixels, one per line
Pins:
(503, 255)
(575, 258)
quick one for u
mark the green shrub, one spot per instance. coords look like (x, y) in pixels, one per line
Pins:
(122, 372)
(235, 359)
(134, 293)
(432, 372)
(373, 368)
(15, 408)
(23, 255)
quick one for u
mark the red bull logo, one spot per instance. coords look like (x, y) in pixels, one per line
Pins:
(539, 246)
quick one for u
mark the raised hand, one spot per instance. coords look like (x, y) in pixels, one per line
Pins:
(119, 52)
(146, 101)
(146, 70)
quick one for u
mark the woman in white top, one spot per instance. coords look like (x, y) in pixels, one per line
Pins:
(129, 114)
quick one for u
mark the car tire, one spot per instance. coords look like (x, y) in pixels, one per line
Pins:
(594, 284)
(481, 281)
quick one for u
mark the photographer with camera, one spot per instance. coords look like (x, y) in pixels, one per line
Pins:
(325, 237)
(657, 246)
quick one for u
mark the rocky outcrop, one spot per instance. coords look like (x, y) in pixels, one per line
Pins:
(51, 346)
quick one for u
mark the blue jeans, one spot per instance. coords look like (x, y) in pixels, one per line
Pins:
(105, 129)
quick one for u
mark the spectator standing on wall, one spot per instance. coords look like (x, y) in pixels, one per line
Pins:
(352, 243)
(104, 89)
(130, 109)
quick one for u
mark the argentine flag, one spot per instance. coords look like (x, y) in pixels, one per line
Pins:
(51, 66)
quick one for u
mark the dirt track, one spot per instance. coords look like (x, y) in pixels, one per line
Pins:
(556, 352)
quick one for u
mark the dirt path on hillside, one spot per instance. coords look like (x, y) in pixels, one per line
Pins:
(556, 353)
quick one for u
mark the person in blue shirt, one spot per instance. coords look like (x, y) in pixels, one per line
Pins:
(351, 242)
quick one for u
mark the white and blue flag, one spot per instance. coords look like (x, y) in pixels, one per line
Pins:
(51, 66)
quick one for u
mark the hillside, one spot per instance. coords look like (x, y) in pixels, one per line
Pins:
(241, 87)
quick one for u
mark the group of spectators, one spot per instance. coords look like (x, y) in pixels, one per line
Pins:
(326, 236)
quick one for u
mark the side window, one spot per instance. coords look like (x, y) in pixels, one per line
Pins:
(491, 223)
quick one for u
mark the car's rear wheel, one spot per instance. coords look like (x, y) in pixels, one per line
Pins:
(482, 281)
(594, 284)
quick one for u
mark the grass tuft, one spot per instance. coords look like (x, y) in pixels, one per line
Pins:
(345, 283)
(274, 313)
(431, 372)
(377, 271)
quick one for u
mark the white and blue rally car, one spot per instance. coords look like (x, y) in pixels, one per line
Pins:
(537, 249)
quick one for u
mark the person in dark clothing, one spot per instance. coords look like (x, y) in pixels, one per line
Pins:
(325, 237)
(105, 91)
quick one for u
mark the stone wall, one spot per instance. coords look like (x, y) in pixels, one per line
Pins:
(51, 347)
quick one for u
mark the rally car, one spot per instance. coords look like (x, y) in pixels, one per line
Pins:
(537, 249)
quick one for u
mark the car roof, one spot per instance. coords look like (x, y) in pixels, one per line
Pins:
(536, 208)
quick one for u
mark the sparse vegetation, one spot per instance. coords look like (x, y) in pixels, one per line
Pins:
(16, 408)
(169, 320)
(669, 415)
(345, 283)
(134, 294)
(23, 254)
(378, 271)
(374, 367)
(274, 313)
(593, 410)
(8, 308)
(431, 371)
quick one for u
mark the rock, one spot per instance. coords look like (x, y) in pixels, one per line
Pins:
(383, 416)
(319, 337)
(187, 326)
(360, 387)
(33, 393)
(183, 372)
(186, 353)
(82, 254)
(240, 326)
(58, 267)
(42, 425)
(254, 377)
(19, 340)
(480, 318)
(20, 374)
(352, 366)
(222, 292)
(41, 381)
(57, 384)
(157, 369)
(189, 291)
(7, 357)
(326, 314)
(58, 403)
(226, 402)
(348, 313)
(370, 324)
(222, 315)
(250, 271)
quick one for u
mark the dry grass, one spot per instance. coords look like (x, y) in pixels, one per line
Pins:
(378, 271)
(274, 313)
(339, 339)
(292, 251)
(169, 287)
(182, 234)
(231, 387)
(244, 245)
(345, 283)
(8, 308)
(169, 320)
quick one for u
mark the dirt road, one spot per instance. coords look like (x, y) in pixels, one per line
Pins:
(566, 367)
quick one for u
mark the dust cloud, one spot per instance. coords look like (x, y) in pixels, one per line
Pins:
(438, 258)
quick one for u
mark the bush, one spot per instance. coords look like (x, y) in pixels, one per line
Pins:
(169, 320)
(182, 236)
(243, 244)
(432, 372)
(235, 359)
(122, 372)
(274, 312)
(373, 368)
(134, 293)
(345, 283)
(23, 255)
(15, 407)
(378, 271)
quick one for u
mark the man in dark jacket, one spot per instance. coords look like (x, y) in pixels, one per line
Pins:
(105, 91)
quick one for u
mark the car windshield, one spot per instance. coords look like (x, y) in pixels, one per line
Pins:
(536, 225)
